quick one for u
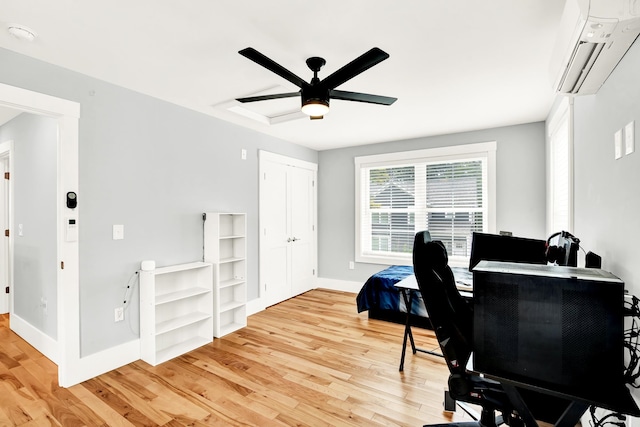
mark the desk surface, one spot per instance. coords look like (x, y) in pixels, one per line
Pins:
(464, 280)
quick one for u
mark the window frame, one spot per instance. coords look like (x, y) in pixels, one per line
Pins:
(484, 150)
(561, 116)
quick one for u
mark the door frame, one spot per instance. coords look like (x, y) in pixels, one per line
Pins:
(66, 351)
(266, 156)
(6, 149)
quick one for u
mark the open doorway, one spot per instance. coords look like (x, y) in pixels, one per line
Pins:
(65, 350)
(32, 241)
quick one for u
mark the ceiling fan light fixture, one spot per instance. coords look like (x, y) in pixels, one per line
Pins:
(315, 95)
(315, 107)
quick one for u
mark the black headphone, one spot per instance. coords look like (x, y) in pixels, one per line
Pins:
(558, 254)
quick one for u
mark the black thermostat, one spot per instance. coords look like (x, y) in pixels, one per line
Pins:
(72, 200)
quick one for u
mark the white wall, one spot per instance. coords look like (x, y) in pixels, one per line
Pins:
(520, 193)
(155, 168)
(607, 194)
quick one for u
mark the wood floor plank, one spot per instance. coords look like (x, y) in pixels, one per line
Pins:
(308, 361)
(116, 401)
(13, 404)
(105, 413)
(138, 397)
(259, 383)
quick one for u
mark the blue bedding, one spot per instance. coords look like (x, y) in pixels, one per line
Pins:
(379, 292)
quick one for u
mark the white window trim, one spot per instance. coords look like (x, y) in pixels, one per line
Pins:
(563, 112)
(484, 149)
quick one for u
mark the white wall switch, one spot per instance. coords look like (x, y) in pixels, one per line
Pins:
(243, 154)
(118, 314)
(118, 232)
(629, 138)
(351, 265)
(617, 142)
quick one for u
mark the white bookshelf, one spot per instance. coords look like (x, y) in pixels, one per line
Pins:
(176, 310)
(225, 246)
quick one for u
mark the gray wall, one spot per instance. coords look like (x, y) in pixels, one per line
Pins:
(520, 191)
(607, 198)
(153, 167)
(34, 186)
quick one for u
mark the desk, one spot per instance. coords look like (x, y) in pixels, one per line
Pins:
(407, 287)
(564, 347)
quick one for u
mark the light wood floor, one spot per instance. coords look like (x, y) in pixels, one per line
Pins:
(309, 361)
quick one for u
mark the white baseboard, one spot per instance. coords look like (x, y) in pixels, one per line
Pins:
(88, 367)
(38, 339)
(255, 306)
(339, 285)
(104, 361)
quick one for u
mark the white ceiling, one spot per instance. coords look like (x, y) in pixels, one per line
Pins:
(455, 65)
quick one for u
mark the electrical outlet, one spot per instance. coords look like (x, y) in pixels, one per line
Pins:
(118, 314)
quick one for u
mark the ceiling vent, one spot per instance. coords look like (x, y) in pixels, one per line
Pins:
(594, 35)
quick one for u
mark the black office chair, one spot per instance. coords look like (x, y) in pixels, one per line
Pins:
(451, 316)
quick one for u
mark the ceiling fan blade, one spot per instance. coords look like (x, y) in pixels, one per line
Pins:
(267, 97)
(355, 67)
(362, 97)
(271, 65)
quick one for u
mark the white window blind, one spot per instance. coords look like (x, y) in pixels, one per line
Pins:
(447, 194)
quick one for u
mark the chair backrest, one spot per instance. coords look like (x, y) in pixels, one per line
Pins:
(450, 314)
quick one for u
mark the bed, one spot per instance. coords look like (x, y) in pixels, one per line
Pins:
(383, 300)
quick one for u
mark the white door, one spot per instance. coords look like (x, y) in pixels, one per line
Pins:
(302, 249)
(4, 225)
(274, 236)
(287, 227)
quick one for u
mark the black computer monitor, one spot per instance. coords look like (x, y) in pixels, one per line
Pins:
(496, 247)
(558, 329)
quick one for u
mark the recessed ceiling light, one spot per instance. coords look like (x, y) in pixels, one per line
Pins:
(21, 32)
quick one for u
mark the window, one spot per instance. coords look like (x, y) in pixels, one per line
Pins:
(448, 191)
(560, 191)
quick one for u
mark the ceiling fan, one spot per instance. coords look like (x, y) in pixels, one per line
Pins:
(316, 94)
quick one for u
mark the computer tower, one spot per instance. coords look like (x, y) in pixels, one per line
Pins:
(555, 328)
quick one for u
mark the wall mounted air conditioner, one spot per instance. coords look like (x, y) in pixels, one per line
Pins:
(594, 35)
